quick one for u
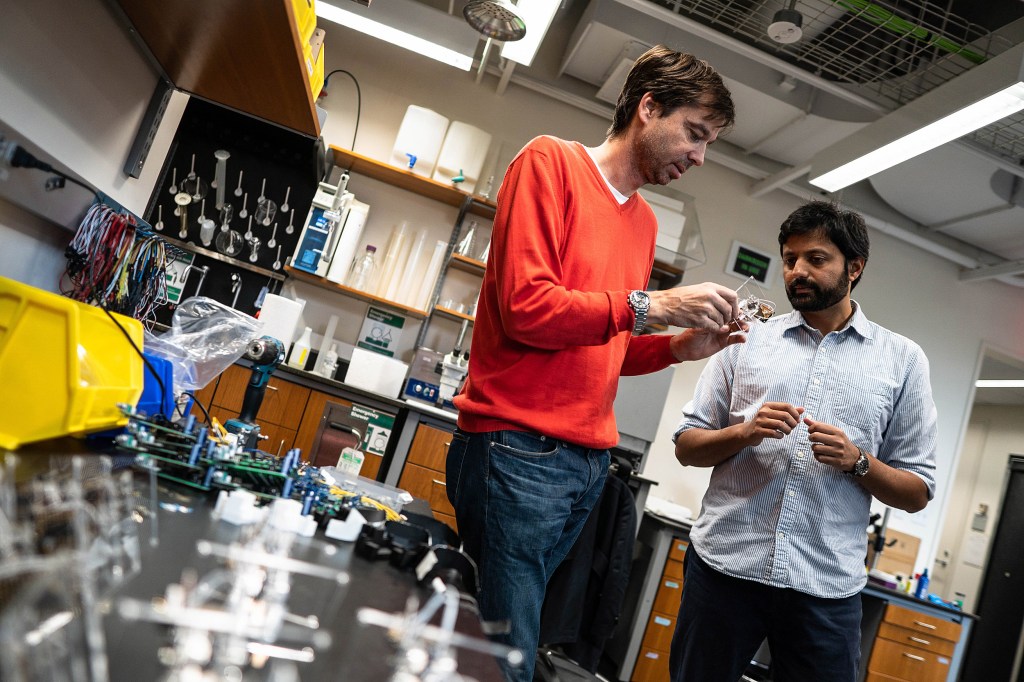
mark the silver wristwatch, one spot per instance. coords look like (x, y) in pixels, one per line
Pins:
(860, 467)
(640, 302)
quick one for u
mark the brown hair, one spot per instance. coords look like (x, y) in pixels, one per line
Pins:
(674, 79)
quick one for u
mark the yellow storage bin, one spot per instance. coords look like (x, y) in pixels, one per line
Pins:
(305, 18)
(64, 366)
(315, 66)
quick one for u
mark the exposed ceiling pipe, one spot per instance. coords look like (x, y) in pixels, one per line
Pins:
(939, 227)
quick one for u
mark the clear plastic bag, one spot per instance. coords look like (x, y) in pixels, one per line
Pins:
(205, 338)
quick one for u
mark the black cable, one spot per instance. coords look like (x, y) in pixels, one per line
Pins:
(359, 100)
(202, 407)
(149, 366)
(23, 159)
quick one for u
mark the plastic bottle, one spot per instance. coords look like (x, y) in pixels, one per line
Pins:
(328, 363)
(364, 270)
(921, 592)
(300, 350)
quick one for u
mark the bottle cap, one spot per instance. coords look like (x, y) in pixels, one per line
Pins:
(371, 248)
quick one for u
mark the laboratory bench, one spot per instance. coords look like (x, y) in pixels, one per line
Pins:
(902, 638)
(116, 591)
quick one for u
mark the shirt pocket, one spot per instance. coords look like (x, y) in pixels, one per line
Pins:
(864, 407)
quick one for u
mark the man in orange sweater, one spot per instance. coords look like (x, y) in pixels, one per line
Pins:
(560, 312)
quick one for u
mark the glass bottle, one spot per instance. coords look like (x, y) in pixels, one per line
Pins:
(364, 270)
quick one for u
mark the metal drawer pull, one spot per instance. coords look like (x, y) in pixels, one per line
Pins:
(271, 387)
(912, 656)
(920, 641)
(440, 483)
(924, 625)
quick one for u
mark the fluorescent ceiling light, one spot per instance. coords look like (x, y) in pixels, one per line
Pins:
(537, 15)
(410, 25)
(973, 100)
(999, 383)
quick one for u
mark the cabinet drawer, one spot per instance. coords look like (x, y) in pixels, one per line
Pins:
(283, 401)
(429, 447)
(922, 622)
(879, 677)
(417, 481)
(447, 518)
(651, 666)
(907, 662)
(279, 439)
(669, 594)
(673, 569)
(915, 638)
(678, 549)
(658, 635)
(439, 496)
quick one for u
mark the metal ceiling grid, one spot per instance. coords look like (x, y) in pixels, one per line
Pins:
(898, 50)
(892, 51)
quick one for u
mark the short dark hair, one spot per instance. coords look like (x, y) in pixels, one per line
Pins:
(845, 229)
(674, 79)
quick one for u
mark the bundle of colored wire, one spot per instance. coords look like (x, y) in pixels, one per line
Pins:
(113, 265)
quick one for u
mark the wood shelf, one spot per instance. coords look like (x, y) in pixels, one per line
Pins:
(407, 180)
(323, 283)
(230, 52)
(467, 264)
(453, 315)
(218, 256)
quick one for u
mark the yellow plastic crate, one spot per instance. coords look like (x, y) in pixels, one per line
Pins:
(305, 18)
(64, 366)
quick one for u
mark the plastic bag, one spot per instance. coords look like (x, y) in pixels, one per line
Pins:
(205, 338)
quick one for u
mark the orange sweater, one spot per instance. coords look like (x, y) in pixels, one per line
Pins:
(552, 331)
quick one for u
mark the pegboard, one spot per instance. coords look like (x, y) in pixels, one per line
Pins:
(265, 160)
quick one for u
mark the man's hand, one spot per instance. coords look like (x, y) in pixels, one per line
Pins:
(697, 344)
(700, 306)
(831, 446)
(773, 420)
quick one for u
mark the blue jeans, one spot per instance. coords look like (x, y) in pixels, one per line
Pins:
(723, 620)
(521, 500)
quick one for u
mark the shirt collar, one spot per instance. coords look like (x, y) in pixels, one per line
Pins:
(858, 321)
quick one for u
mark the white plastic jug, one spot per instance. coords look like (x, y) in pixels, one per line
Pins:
(463, 152)
(421, 134)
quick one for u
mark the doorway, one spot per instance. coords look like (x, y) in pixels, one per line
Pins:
(994, 651)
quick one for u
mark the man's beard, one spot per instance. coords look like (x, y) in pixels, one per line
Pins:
(819, 298)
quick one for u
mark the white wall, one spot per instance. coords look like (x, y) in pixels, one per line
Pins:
(904, 289)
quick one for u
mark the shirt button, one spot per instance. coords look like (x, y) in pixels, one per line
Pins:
(817, 381)
(782, 536)
(791, 493)
(800, 454)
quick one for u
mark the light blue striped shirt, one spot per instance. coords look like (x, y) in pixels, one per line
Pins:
(773, 513)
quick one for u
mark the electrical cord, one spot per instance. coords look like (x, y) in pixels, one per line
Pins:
(149, 365)
(206, 412)
(20, 158)
(359, 100)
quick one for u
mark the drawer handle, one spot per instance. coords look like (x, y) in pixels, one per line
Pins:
(440, 483)
(925, 625)
(920, 641)
(271, 387)
(913, 657)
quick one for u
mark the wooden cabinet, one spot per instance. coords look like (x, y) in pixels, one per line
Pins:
(207, 49)
(424, 472)
(913, 647)
(652, 662)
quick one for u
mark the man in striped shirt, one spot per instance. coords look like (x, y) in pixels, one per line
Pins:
(818, 412)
